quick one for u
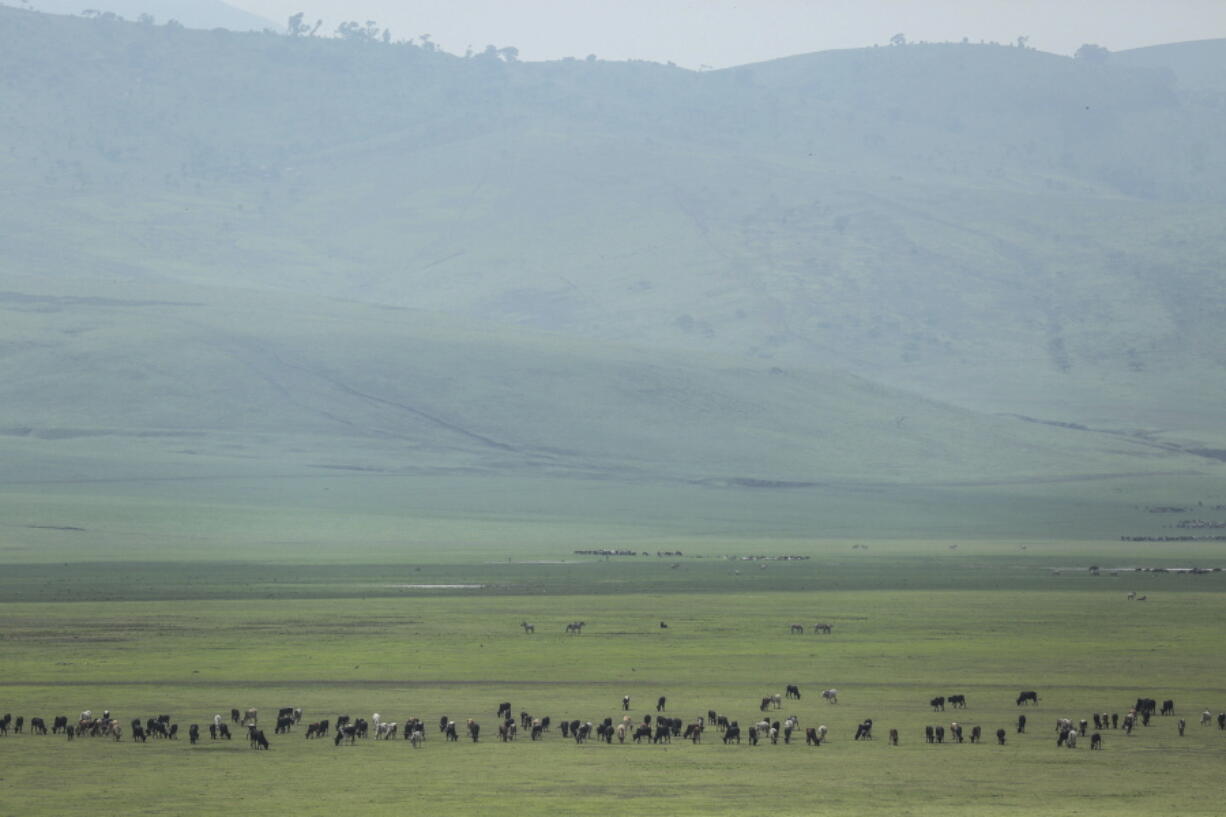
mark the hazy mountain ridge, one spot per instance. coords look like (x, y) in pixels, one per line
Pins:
(652, 273)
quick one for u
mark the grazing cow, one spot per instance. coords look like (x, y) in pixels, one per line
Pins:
(386, 730)
(252, 717)
(506, 731)
(347, 732)
(583, 732)
(444, 720)
(224, 731)
(137, 732)
(865, 730)
(1129, 722)
(1000, 737)
(1082, 725)
(753, 735)
(660, 703)
(284, 725)
(643, 730)
(17, 724)
(1098, 720)
(732, 733)
(504, 708)
(450, 732)
(976, 733)
(937, 704)
(663, 733)
(1115, 720)
(955, 731)
(957, 701)
(894, 737)
(766, 702)
(1221, 720)
(212, 731)
(625, 703)
(235, 716)
(940, 732)
(193, 733)
(529, 629)
(1096, 741)
(792, 691)
(60, 724)
(621, 732)
(257, 739)
(286, 712)
(1021, 724)
(474, 729)
(824, 628)
(797, 628)
(929, 734)
(38, 726)
(831, 696)
(1028, 696)
(1182, 723)
(116, 731)
(1071, 739)
(417, 737)
(1168, 707)
(1206, 718)
(811, 738)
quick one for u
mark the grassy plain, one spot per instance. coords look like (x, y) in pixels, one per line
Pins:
(911, 620)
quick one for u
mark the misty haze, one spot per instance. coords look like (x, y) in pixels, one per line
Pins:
(350, 341)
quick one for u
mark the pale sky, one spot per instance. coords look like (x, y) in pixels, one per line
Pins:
(720, 33)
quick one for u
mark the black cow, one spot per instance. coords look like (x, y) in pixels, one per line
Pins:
(347, 732)
(137, 732)
(193, 733)
(474, 729)
(1182, 723)
(640, 732)
(256, 738)
(212, 731)
(663, 733)
(660, 703)
(235, 716)
(504, 708)
(565, 729)
(583, 732)
(1021, 724)
(865, 730)
(976, 733)
(60, 724)
(284, 724)
(17, 724)
(937, 704)
(224, 731)
(732, 733)
(450, 732)
(1000, 736)
(1096, 741)
(957, 701)
(940, 732)
(38, 726)
(1168, 707)
(1028, 696)
(793, 691)
(929, 734)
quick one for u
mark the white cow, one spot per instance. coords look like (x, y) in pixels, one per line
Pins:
(831, 696)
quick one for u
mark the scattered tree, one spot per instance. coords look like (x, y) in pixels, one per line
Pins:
(1091, 53)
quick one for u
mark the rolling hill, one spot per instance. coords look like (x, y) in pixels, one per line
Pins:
(246, 256)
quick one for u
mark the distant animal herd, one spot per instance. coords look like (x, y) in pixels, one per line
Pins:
(657, 729)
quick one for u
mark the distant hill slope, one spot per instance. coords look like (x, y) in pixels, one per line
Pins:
(860, 266)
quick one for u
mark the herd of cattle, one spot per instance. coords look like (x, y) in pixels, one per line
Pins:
(660, 729)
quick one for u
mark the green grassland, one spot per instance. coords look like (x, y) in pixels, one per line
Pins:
(911, 620)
